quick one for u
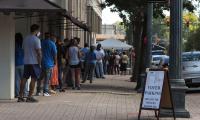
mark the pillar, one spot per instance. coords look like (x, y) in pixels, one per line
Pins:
(175, 66)
(7, 56)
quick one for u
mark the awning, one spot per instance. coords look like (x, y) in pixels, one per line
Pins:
(46, 6)
(76, 21)
(28, 6)
(116, 44)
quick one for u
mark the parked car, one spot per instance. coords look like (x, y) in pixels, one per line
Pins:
(159, 59)
(190, 64)
(191, 68)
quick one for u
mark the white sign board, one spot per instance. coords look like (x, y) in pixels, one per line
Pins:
(153, 90)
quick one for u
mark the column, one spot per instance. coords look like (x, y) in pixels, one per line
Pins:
(175, 67)
(7, 56)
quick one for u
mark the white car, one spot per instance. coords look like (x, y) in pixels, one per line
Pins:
(156, 59)
(191, 68)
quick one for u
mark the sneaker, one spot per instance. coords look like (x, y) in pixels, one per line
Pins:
(46, 94)
(31, 100)
(73, 88)
(103, 77)
(38, 94)
(20, 99)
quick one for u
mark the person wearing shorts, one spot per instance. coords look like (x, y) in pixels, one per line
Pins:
(74, 62)
(32, 63)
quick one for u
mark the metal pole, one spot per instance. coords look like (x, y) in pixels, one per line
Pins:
(175, 66)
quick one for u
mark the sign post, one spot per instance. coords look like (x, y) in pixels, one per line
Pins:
(156, 93)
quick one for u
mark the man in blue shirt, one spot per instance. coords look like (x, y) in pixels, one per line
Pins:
(49, 57)
(90, 60)
(84, 51)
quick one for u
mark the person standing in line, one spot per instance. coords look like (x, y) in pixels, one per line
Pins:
(40, 81)
(105, 63)
(117, 60)
(49, 58)
(111, 63)
(124, 63)
(60, 56)
(84, 51)
(19, 64)
(73, 55)
(66, 69)
(55, 76)
(99, 65)
(32, 62)
(90, 60)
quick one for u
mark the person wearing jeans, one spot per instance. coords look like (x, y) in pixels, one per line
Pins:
(90, 65)
(19, 64)
(99, 65)
(49, 59)
(99, 69)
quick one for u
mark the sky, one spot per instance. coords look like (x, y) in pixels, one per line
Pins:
(109, 17)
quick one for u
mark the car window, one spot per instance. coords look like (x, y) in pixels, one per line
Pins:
(157, 58)
(191, 57)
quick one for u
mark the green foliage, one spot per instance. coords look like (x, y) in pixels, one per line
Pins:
(190, 21)
(193, 42)
(128, 9)
(161, 28)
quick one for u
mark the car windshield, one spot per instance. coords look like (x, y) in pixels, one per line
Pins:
(157, 58)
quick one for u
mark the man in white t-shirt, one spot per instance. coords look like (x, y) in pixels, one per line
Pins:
(32, 62)
(99, 65)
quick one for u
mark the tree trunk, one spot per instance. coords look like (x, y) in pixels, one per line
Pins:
(140, 34)
(138, 31)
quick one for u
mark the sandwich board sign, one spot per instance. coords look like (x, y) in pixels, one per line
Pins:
(156, 90)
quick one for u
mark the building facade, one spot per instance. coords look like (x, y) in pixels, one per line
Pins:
(94, 19)
(88, 12)
(64, 18)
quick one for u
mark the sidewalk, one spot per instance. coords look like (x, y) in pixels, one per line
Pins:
(106, 99)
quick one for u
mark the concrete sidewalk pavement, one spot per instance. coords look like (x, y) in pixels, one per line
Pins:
(106, 99)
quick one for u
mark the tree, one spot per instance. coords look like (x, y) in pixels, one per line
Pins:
(134, 14)
(193, 42)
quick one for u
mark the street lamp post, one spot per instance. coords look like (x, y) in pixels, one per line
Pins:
(175, 66)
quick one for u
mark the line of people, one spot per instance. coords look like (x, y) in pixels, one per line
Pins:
(54, 64)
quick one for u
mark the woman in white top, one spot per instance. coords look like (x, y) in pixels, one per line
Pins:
(73, 55)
